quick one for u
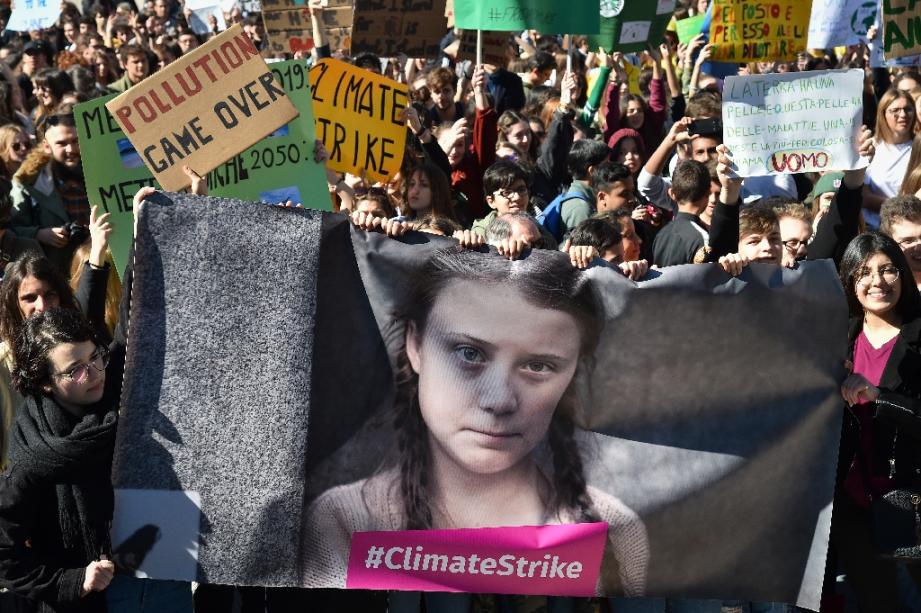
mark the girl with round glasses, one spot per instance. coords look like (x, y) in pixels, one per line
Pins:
(881, 438)
(56, 495)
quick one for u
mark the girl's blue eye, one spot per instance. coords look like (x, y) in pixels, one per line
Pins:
(470, 354)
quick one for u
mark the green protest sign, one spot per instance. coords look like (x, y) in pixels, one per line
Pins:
(547, 16)
(901, 28)
(630, 25)
(280, 167)
(688, 29)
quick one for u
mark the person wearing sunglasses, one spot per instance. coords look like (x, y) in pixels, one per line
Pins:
(14, 146)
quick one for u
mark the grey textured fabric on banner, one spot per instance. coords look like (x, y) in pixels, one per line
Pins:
(298, 388)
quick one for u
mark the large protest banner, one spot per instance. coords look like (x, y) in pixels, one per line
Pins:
(548, 16)
(763, 30)
(901, 28)
(628, 26)
(840, 22)
(202, 109)
(31, 15)
(411, 28)
(358, 115)
(300, 465)
(794, 122)
(277, 168)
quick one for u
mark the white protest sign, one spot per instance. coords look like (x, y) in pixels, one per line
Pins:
(840, 22)
(34, 15)
(793, 122)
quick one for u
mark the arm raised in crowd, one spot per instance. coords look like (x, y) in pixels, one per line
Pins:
(841, 223)
(612, 107)
(724, 226)
(485, 123)
(587, 116)
(91, 290)
(320, 40)
(560, 136)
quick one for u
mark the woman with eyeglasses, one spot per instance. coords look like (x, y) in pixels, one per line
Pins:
(56, 495)
(14, 146)
(895, 125)
(881, 438)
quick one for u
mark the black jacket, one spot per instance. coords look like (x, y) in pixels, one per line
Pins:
(33, 559)
(679, 241)
(897, 412)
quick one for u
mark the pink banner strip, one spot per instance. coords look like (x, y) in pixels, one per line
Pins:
(542, 560)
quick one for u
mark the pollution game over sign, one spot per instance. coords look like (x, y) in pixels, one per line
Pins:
(202, 109)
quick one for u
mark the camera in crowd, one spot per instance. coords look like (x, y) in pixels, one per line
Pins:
(76, 234)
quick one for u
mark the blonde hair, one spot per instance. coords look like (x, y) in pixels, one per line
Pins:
(7, 133)
(113, 287)
(883, 132)
(911, 184)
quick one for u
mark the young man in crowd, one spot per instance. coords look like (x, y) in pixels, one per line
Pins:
(900, 218)
(505, 185)
(579, 201)
(679, 241)
(441, 84)
(49, 193)
(540, 67)
(136, 62)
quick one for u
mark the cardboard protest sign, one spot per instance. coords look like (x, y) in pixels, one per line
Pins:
(793, 122)
(413, 28)
(901, 28)
(630, 26)
(840, 22)
(358, 119)
(495, 47)
(688, 29)
(763, 30)
(202, 109)
(33, 15)
(275, 169)
(693, 478)
(548, 16)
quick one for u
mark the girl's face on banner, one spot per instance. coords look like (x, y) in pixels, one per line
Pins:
(492, 368)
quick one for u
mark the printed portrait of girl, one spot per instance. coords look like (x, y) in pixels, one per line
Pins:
(484, 417)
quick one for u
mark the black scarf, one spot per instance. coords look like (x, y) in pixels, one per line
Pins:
(75, 455)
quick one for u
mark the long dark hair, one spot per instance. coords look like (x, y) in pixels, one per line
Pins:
(547, 280)
(28, 265)
(38, 336)
(857, 253)
(442, 204)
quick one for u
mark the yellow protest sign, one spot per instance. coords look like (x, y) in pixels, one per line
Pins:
(358, 119)
(759, 30)
(202, 109)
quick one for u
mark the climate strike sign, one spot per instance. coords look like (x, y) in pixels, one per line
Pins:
(202, 109)
(793, 122)
(359, 119)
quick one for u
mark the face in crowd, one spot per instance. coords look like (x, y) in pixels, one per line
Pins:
(61, 142)
(513, 199)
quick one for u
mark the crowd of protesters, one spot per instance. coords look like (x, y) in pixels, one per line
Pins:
(557, 149)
